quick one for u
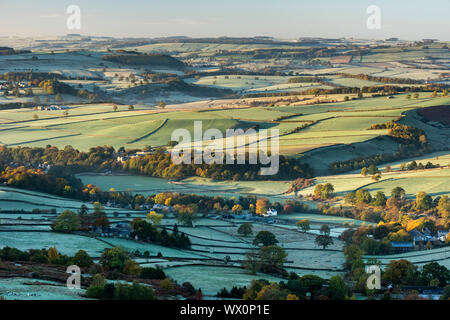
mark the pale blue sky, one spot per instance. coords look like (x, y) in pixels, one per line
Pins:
(406, 19)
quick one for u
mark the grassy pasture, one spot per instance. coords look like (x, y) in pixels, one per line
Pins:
(212, 279)
(65, 243)
(436, 182)
(320, 219)
(25, 289)
(149, 185)
(92, 125)
(440, 255)
(17, 199)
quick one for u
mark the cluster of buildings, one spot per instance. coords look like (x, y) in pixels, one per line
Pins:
(122, 157)
(5, 84)
(52, 108)
(119, 230)
(419, 240)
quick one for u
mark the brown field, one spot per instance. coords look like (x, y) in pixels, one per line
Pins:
(439, 114)
(341, 59)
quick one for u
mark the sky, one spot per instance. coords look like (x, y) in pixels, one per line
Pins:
(285, 19)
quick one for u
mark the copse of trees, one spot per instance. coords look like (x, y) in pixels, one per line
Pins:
(150, 233)
(121, 291)
(159, 164)
(412, 142)
(387, 80)
(50, 256)
(404, 151)
(66, 222)
(323, 191)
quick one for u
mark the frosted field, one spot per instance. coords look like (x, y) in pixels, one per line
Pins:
(319, 218)
(441, 157)
(440, 255)
(150, 185)
(132, 246)
(18, 199)
(92, 125)
(88, 126)
(32, 289)
(213, 279)
(65, 243)
(255, 83)
(435, 182)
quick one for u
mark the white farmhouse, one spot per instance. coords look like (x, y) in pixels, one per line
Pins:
(271, 213)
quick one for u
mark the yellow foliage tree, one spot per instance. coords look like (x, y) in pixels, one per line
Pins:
(154, 218)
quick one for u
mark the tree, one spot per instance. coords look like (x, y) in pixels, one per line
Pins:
(237, 209)
(267, 238)
(261, 206)
(423, 201)
(337, 289)
(363, 196)
(373, 169)
(255, 287)
(376, 177)
(52, 254)
(324, 191)
(161, 104)
(303, 225)
(327, 191)
(398, 193)
(252, 262)
(154, 218)
(443, 207)
(99, 216)
(114, 258)
(353, 257)
(434, 271)
(98, 280)
(245, 229)
(271, 292)
(380, 199)
(324, 241)
(166, 284)
(399, 272)
(311, 284)
(272, 258)
(186, 214)
(66, 222)
(364, 171)
(350, 198)
(446, 294)
(82, 259)
(132, 268)
(325, 229)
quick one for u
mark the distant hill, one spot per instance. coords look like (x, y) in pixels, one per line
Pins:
(6, 51)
